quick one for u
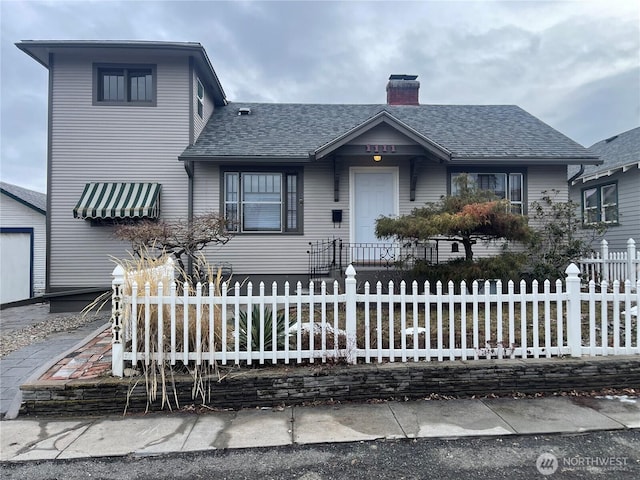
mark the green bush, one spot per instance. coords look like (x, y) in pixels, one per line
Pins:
(256, 333)
(507, 266)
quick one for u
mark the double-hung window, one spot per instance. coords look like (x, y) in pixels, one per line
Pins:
(262, 201)
(600, 204)
(124, 84)
(508, 186)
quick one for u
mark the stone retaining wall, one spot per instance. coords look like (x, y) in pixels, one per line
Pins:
(299, 384)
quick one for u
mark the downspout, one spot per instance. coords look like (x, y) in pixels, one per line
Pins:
(188, 164)
(189, 167)
(580, 172)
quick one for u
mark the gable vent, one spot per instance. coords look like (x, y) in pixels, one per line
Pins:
(244, 111)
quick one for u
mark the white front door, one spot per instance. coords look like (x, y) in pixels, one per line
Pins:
(374, 192)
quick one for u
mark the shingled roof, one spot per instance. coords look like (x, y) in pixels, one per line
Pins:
(292, 131)
(30, 198)
(619, 151)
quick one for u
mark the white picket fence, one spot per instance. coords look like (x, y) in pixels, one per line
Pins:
(609, 266)
(375, 325)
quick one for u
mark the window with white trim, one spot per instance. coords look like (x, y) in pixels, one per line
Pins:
(262, 201)
(600, 204)
(200, 98)
(508, 186)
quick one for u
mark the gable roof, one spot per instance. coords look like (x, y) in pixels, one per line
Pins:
(382, 117)
(35, 200)
(39, 50)
(619, 152)
(468, 132)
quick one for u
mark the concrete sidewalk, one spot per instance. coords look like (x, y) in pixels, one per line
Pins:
(38, 439)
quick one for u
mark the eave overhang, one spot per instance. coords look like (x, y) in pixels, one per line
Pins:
(382, 117)
(39, 50)
(23, 201)
(605, 173)
(525, 160)
(245, 159)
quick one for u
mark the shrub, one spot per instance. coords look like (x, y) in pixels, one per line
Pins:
(256, 331)
(507, 266)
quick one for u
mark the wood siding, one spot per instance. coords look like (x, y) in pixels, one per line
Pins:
(208, 107)
(16, 215)
(277, 254)
(287, 254)
(110, 144)
(383, 135)
(628, 207)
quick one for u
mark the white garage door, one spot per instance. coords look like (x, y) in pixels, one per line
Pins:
(15, 266)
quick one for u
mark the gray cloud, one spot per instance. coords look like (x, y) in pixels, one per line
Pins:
(575, 65)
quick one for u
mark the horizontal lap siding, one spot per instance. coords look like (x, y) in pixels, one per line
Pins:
(273, 253)
(546, 179)
(287, 254)
(110, 144)
(628, 211)
(208, 107)
(538, 180)
(17, 215)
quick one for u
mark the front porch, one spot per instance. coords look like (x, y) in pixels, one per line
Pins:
(330, 257)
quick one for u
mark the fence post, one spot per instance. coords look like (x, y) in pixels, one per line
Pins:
(117, 353)
(350, 305)
(631, 261)
(604, 252)
(574, 331)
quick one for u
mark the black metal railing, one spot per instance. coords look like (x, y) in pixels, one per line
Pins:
(322, 258)
(331, 256)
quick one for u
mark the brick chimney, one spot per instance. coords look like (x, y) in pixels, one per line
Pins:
(403, 90)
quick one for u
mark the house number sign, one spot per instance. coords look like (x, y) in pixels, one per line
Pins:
(369, 148)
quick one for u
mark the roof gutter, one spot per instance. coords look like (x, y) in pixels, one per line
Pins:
(245, 159)
(580, 172)
(529, 160)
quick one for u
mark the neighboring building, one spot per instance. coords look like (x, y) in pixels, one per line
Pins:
(22, 243)
(610, 192)
(152, 117)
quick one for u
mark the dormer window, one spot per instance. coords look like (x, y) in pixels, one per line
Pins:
(124, 84)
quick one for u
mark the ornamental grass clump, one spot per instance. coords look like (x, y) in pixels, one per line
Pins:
(152, 336)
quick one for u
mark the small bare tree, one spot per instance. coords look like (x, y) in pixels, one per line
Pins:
(182, 239)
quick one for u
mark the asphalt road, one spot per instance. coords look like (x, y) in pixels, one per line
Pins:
(610, 455)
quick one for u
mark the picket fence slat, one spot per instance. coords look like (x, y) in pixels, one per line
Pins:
(605, 265)
(313, 325)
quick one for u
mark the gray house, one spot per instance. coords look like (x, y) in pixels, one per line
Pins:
(22, 243)
(610, 192)
(148, 124)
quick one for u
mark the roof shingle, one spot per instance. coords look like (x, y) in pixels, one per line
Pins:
(293, 130)
(34, 199)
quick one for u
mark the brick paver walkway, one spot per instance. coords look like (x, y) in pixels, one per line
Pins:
(89, 361)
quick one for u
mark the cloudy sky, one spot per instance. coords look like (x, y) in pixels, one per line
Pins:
(574, 64)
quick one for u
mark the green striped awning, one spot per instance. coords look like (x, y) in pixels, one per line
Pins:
(119, 200)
